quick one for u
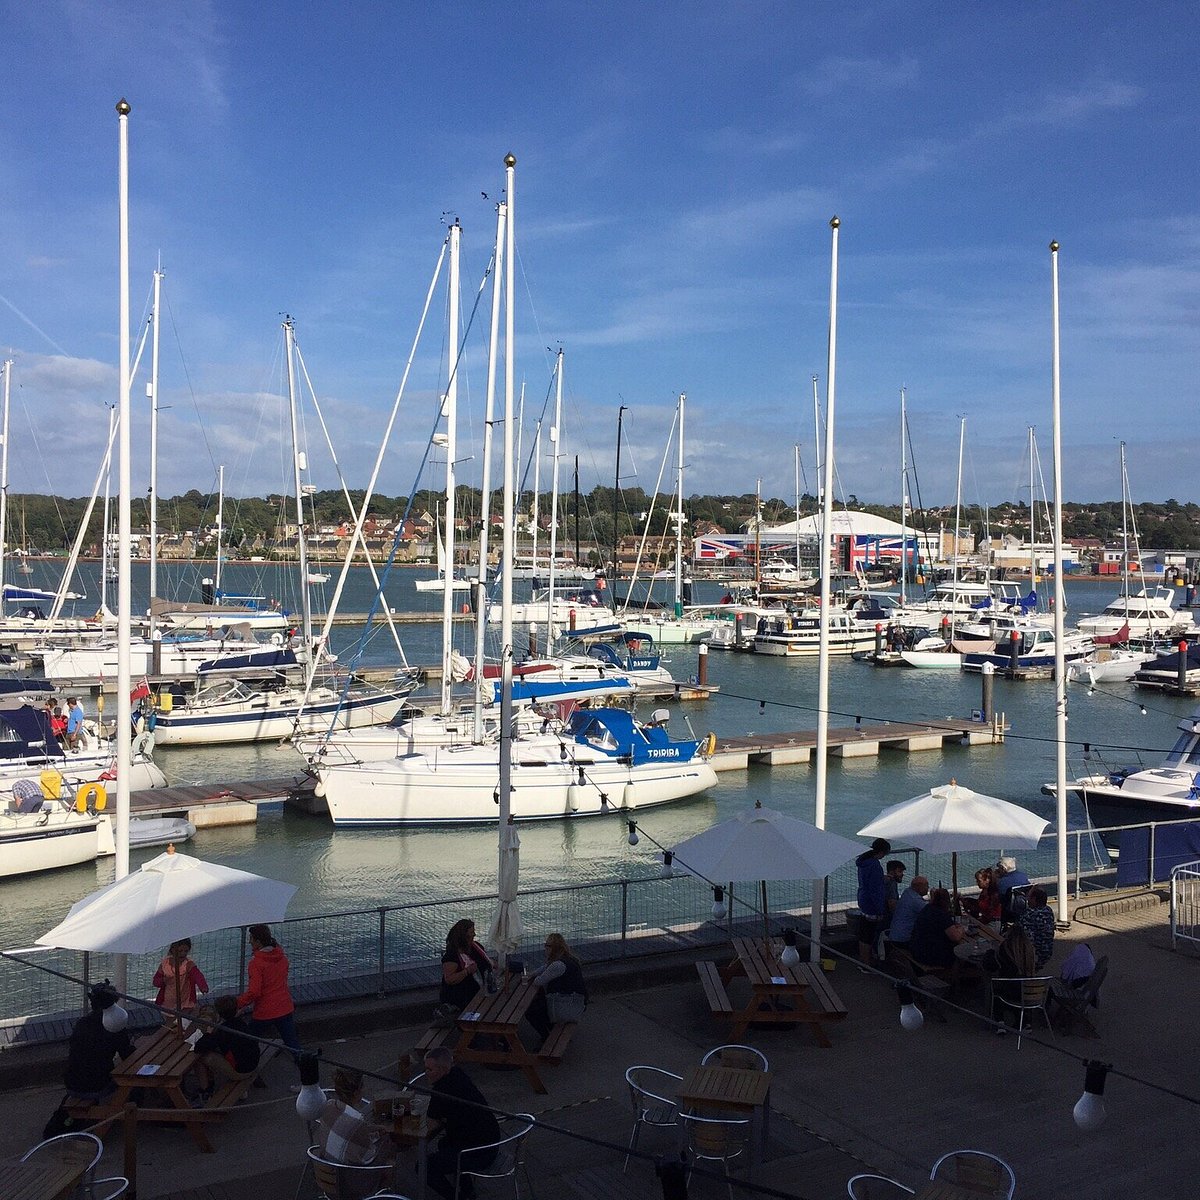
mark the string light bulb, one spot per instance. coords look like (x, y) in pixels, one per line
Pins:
(911, 1017)
(668, 864)
(1089, 1111)
(719, 911)
(114, 1018)
(790, 956)
(633, 833)
(311, 1098)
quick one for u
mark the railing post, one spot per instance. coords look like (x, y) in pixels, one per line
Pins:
(382, 950)
(624, 916)
(1174, 905)
(1153, 830)
(242, 959)
(87, 977)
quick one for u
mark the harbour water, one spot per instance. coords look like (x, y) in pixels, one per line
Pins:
(357, 869)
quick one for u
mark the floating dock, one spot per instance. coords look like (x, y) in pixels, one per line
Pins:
(208, 805)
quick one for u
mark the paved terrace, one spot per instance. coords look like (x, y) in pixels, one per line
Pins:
(879, 1100)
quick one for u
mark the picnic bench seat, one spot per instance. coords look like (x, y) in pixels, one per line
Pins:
(435, 1036)
(714, 989)
(557, 1040)
(821, 990)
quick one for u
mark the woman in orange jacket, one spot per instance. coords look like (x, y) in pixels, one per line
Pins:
(267, 998)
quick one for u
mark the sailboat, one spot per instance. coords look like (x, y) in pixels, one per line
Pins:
(444, 558)
(603, 760)
(236, 710)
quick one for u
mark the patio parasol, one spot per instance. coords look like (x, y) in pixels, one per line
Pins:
(170, 897)
(760, 845)
(952, 819)
(506, 929)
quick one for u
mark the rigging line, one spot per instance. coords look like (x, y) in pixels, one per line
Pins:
(532, 307)
(650, 517)
(188, 377)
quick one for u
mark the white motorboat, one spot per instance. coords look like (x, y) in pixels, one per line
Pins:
(46, 838)
(798, 635)
(1147, 613)
(932, 654)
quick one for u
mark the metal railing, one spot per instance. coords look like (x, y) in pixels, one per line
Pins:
(1185, 904)
(394, 948)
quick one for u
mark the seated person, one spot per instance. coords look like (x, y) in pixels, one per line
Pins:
(226, 1052)
(1038, 922)
(1009, 877)
(985, 906)
(910, 906)
(464, 965)
(563, 976)
(1015, 960)
(344, 1134)
(93, 1047)
(466, 1119)
(935, 933)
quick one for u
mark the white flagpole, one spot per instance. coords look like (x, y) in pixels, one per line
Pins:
(1060, 606)
(822, 749)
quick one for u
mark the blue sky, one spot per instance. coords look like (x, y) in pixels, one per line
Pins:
(678, 164)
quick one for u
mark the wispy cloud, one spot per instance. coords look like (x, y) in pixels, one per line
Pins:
(838, 73)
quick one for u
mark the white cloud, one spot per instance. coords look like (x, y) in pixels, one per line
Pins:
(838, 73)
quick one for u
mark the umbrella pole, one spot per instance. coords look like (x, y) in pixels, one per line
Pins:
(954, 878)
(766, 923)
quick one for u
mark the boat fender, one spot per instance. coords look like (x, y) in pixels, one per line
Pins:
(709, 746)
(575, 793)
(319, 789)
(143, 744)
(91, 798)
(629, 796)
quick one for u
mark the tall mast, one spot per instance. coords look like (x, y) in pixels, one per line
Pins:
(797, 464)
(105, 524)
(1125, 531)
(8, 363)
(817, 437)
(158, 275)
(299, 465)
(1032, 518)
(612, 583)
(577, 510)
(537, 488)
(510, 541)
(962, 432)
(679, 516)
(486, 499)
(822, 749)
(1060, 606)
(450, 409)
(903, 500)
(758, 535)
(555, 443)
(220, 529)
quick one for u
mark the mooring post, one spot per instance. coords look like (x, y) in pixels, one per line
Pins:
(702, 664)
(988, 673)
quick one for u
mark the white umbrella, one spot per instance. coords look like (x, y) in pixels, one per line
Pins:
(173, 896)
(763, 844)
(507, 930)
(952, 819)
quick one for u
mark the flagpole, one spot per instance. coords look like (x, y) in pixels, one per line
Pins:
(822, 749)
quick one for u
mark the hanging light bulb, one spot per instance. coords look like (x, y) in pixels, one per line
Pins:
(311, 1098)
(911, 1017)
(115, 1018)
(1142, 709)
(668, 866)
(1089, 1110)
(790, 956)
(719, 911)
(633, 833)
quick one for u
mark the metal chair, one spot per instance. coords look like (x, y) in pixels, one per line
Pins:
(1075, 1002)
(875, 1187)
(508, 1160)
(976, 1171)
(650, 1106)
(1031, 996)
(715, 1139)
(746, 1058)
(89, 1148)
(343, 1181)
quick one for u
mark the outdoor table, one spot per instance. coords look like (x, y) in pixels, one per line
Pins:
(409, 1132)
(157, 1067)
(498, 1016)
(781, 995)
(943, 1189)
(733, 1089)
(51, 1175)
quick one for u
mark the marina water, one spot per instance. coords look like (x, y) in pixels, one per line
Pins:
(356, 869)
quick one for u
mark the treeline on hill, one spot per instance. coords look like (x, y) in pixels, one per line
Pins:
(50, 523)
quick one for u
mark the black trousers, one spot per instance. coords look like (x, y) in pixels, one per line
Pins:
(442, 1168)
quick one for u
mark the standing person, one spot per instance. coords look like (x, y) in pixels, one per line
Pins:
(872, 897)
(911, 903)
(179, 981)
(74, 729)
(1038, 922)
(893, 879)
(561, 976)
(467, 1120)
(465, 963)
(58, 726)
(267, 998)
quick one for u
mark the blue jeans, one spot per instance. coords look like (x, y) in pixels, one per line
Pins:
(285, 1026)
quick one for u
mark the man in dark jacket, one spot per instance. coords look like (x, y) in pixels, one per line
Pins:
(467, 1122)
(94, 1045)
(872, 897)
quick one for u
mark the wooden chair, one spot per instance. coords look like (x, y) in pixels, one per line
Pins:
(875, 1187)
(650, 1105)
(1074, 1002)
(976, 1171)
(341, 1181)
(1025, 996)
(88, 1148)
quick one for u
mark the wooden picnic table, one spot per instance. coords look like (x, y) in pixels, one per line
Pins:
(943, 1189)
(498, 1016)
(781, 995)
(51, 1175)
(729, 1089)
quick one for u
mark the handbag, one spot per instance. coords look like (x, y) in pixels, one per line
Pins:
(565, 1006)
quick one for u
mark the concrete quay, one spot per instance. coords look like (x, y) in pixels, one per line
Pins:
(879, 1100)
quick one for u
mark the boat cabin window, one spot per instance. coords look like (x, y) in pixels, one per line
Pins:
(1185, 752)
(600, 736)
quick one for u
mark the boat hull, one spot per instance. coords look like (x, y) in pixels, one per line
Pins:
(65, 841)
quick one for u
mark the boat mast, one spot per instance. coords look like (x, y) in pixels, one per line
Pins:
(537, 488)
(555, 438)
(1032, 517)
(220, 530)
(903, 501)
(962, 432)
(153, 389)
(797, 456)
(450, 410)
(1060, 606)
(822, 748)
(758, 536)
(106, 528)
(486, 499)
(679, 517)
(612, 583)
(1125, 534)
(299, 464)
(577, 510)
(8, 363)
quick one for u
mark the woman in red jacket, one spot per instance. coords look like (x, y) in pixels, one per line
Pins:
(267, 998)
